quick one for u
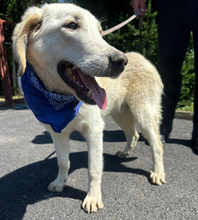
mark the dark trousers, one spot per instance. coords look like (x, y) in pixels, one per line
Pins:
(176, 19)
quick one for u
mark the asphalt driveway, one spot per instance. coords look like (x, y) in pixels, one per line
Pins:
(28, 164)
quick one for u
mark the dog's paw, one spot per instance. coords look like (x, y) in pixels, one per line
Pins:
(157, 178)
(122, 154)
(92, 204)
(56, 185)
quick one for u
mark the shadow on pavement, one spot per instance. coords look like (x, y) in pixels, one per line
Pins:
(44, 138)
(186, 143)
(28, 185)
(109, 136)
(14, 107)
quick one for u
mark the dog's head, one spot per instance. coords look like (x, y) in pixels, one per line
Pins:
(64, 45)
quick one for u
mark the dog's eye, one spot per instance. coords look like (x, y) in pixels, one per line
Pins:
(71, 25)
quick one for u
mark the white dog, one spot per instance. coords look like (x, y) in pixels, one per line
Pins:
(62, 55)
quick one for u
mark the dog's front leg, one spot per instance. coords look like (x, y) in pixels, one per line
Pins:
(61, 144)
(93, 200)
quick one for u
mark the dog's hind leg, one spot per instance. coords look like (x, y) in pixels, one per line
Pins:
(61, 144)
(126, 122)
(149, 126)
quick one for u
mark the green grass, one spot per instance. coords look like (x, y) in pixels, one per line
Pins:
(187, 108)
(13, 97)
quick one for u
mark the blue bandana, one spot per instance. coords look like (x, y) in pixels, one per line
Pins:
(49, 108)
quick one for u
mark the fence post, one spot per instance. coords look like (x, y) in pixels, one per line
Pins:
(34, 2)
(4, 68)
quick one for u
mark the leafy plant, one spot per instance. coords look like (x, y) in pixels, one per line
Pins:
(188, 81)
(130, 38)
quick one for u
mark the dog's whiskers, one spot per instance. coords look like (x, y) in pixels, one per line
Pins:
(103, 18)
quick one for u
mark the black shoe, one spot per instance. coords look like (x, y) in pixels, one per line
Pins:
(165, 130)
(195, 141)
(163, 138)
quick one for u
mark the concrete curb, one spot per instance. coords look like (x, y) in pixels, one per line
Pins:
(187, 115)
(184, 115)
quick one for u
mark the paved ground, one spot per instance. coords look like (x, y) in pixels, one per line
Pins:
(28, 164)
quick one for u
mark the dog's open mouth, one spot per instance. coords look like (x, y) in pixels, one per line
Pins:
(85, 85)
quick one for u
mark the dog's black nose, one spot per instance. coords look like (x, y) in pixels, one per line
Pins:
(118, 60)
(125, 60)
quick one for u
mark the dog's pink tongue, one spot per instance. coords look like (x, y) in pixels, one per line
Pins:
(97, 93)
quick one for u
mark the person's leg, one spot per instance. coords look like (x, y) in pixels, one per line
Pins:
(174, 34)
(195, 118)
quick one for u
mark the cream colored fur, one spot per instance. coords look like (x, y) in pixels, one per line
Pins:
(133, 98)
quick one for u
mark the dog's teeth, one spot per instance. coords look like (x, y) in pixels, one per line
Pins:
(89, 93)
(74, 67)
(78, 83)
(69, 73)
(74, 78)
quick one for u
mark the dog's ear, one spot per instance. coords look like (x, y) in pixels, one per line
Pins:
(31, 19)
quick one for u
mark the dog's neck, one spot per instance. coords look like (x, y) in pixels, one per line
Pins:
(49, 107)
(37, 82)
